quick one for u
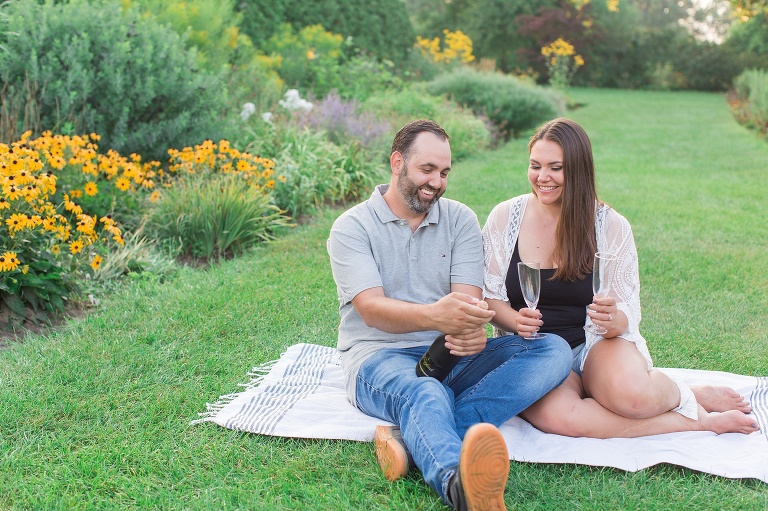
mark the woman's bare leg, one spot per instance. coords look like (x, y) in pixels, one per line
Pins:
(616, 375)
(567, 411)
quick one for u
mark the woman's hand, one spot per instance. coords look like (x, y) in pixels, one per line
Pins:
(604, 313)
(528, 321)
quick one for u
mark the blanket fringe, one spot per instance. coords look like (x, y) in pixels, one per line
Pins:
(257, 375)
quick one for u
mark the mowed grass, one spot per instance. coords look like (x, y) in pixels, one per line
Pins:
(96, 416)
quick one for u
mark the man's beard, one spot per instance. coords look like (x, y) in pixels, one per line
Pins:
(410, 193)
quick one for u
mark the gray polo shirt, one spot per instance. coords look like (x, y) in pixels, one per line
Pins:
(370, 247)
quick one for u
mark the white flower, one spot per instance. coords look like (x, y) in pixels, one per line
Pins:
(248, 110)
(267, 116)
(293, 102)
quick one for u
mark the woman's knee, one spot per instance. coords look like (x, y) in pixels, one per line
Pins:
(630, 399)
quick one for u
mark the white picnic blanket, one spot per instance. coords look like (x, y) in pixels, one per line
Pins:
(302, 395)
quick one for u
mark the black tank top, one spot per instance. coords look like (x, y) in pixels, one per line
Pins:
(562, 304)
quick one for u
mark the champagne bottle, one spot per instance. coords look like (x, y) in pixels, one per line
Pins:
(438, 361)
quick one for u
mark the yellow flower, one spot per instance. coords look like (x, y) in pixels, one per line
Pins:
(8, 261)
(4, 204)
(76, 194)
(123, 183)
(55, 249)
(310, 55)
(96, 262)
(91, 189)
(76, 246)
(155, 196)
(25, 269)
(17, 222)
(11, 192)
(49, 224)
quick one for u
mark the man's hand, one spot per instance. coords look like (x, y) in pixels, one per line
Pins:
(463, 345)
(458, 315)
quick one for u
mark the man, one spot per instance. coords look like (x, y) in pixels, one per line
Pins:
(409, 265)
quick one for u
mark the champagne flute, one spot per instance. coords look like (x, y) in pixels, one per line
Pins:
(602, 274)
(530, 285)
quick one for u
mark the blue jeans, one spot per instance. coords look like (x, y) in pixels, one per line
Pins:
(504, 379)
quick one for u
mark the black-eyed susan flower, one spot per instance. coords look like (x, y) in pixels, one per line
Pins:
(16, 222)
(96, 262)
(91, 189)
(123, 183)
(8, 261)
(11, 192)
(76, 246)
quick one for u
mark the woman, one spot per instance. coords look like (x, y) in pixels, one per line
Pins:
(613, 390)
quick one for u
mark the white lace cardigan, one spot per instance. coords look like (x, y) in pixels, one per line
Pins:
(614, 234)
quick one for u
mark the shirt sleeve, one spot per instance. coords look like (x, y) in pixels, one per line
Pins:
(467, 250)
(495, 253)
(625, 281)
(352, 263)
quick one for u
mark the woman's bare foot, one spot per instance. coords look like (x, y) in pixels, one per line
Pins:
(720, 399)
(732, 421)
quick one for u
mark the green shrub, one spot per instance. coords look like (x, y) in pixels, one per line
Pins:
(85, 67)
(206, 216)
(362, 76)
(751, 106)
(469, 134)
(209, 26)
(707, 66)
(509, 104)
(307, 60)
(360, 22)
(316, 171)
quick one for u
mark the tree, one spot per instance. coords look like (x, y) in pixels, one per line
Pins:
(380, 27)
(746, 9)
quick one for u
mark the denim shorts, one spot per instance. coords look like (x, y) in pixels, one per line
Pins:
(578, 358)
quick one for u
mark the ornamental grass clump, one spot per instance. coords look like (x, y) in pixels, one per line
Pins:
(214, 216)
(48, 242)
(220, 202)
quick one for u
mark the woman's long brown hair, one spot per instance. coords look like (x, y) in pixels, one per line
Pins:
(575, 241)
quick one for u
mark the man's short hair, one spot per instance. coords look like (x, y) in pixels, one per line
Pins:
(403, 141)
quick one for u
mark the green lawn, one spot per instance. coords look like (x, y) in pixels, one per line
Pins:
(96, 416)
